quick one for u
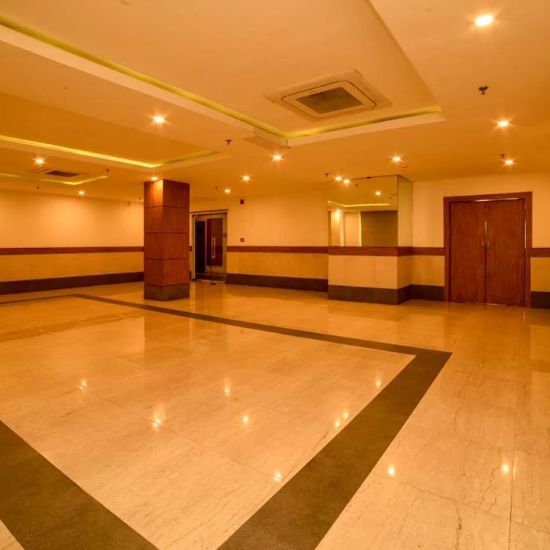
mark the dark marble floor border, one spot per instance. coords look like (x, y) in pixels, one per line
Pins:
(303, 510)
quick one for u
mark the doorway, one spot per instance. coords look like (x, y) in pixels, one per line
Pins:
(209, 245)
(487, 243)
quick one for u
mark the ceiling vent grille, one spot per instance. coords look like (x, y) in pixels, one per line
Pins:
(334, 95)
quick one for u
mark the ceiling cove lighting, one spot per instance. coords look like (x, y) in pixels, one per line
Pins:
(484, 20)
(277, 157)
(39, 161)
(503, 123)
(159, 120)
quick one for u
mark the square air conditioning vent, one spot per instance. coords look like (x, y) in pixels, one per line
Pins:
(331, 96)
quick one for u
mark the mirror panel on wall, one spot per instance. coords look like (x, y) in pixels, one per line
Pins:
(364, 212)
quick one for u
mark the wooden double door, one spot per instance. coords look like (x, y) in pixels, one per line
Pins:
(487, 243)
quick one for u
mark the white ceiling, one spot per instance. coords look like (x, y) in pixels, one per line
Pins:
(424, 56)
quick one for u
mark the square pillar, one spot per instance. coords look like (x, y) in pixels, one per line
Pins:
(166, 240)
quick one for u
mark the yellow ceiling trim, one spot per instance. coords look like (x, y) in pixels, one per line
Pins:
(103, 156)
(218, 107)
(34, 177)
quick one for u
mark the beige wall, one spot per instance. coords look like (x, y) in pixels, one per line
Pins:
(283, 220)
(40, 220)
(298, 219)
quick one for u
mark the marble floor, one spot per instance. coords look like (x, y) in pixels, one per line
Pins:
(184, 427)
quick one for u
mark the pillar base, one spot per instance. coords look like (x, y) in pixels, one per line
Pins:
(166, 293)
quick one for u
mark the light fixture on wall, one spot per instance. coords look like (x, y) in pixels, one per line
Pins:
(39, 161)
(484, 20)
(159, 120)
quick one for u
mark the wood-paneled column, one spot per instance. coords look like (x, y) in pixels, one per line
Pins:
(166, 242)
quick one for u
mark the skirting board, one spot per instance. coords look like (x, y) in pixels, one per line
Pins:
(427, 292)
(294, 283)
(35, 285)
(540, 299)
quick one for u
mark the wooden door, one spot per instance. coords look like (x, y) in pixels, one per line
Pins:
(506, 240)
(200, 247)
(487, 250)
(467, 251)
(214, 243)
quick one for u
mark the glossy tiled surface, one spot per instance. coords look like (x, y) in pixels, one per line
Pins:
(184, 428)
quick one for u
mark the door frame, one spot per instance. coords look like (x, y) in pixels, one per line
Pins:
(214, 213)
(527, 196)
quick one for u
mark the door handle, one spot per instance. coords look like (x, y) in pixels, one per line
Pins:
(213, 248)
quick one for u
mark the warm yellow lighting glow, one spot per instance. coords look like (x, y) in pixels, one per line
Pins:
(39, 161)
(509, 162)
(157, 422)
(227, 190)
(159, 119)
(505, 468)
(391, 471)
(338, 178)
(345, 414)
(484, 20)
(346, 181)
(396, 158)
(378, 383)
(83, 384)
(378, 193)
(246, 178)
(278, 476)
(503, 123)
(277, 157)
(337, 424)
(154, 178)
(245, 419)
(82, 193)
(227, 391)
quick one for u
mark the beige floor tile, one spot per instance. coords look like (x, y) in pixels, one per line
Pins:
(524, 538)
(387, 515)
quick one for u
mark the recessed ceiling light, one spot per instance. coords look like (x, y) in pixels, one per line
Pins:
(154, 178)
(246, 178)
(338, 178)
(159, 119)
(378, 193)
(277, 157)
(509, 162)
(484, 20)
(503, 123)
(346, 181)
(396, 159)
(227, 190)
(82, 193)
(39, 161)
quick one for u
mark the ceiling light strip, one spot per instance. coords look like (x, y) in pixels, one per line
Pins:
(34, 177)
(103, 156)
